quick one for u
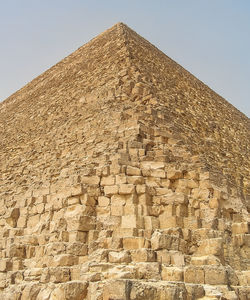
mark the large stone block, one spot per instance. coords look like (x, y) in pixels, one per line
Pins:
(132, 221)
(125, 189)
(119, 257)
(160, 241)
(211, 247)
(171, 273)
(111, 190)
(148, 270)
(77, 220)
(143, 255)
(63, 260)
(130, 243)
(215, 276)
(167, 221)
(239, 228)
(109, 180)
(194, 275)
(133, 171)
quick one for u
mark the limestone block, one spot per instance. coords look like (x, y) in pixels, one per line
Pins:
(151, 222)
(87, 200)
(140, 188)
(114, 243)
(143, 255)
(170, 221)
(44, 293)
(73, 200)
(115, 289)
(15, 250)
(12, 217)
(64, 260)
(192, 222)
(103, 201)
(117, 210)
(31, 291)
(111, 190)
(22, 221)
(163, 256)
(232, 276)
(171, 273)
(90, 180)
(169, 210)
(159, 173)
(115, 168)
(195, 291)
(57, 294)
(165, 183)
(145, 199)
(74, 290)
(3, 281)
(192, 175)
(181, 210)
(125, 232)
(118, 200)
(92, 235)
(17, 264)
(55, 275)
(199, 193)
(214, 203)
(130, 243)
(108, 180)
(5, 265)
(171, 198)
(177, 259)
(93, 191)
(76, 189)
(135, 180)
(211, 247)
(215, 276)
(102, 211)
(40, 208)
(77, 220)
(174, 174)
(160, 241)
(119, 257)
(77, 249)
(194, 275)
(159, 191)
(30, 251)
(152, 165)
(121, 179)
(132, 221)
(33, 221)
(205, 260)
(133, 171)
(239, 228)
(132, 209)
(77, 236)
(152, 181)
(125, 189)
(150, 270)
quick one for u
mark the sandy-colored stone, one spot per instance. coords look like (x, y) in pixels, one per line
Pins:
(122, 176)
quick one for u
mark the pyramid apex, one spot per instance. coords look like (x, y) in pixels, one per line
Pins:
(120, 25)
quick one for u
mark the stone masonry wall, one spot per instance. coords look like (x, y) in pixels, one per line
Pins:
(112, 185)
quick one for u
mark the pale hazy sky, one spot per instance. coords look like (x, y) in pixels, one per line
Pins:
(210, 38)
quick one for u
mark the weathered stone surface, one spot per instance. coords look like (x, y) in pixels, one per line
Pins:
(122, 177)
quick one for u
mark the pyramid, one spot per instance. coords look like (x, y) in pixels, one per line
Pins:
(123, 177)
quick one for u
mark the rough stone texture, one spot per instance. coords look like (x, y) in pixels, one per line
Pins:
(122, 176)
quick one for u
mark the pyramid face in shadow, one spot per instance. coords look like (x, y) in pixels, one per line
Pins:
(122, 176)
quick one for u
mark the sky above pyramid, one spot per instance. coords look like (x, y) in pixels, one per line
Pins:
(209, 39)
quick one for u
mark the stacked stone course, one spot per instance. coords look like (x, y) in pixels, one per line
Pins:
(122, 179)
